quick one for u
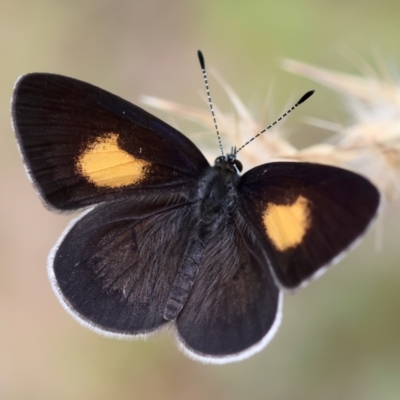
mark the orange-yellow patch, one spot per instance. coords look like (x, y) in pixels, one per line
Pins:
(105, 164)
(286, 225)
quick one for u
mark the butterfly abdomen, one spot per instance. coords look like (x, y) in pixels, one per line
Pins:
(185, 278)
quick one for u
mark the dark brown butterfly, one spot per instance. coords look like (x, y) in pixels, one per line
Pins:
(169, 239)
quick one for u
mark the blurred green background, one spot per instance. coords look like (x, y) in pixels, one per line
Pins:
(340, 337)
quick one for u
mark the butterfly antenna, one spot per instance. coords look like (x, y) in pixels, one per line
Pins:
(302, 100)
(203, 69)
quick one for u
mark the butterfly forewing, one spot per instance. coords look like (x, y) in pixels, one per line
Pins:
(83, 145)
(306, 214)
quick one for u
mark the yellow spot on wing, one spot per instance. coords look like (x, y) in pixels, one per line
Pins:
(105, 164)
(286, 225)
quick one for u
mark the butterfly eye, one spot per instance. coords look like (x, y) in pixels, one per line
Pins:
(238, 165)
(219, 160)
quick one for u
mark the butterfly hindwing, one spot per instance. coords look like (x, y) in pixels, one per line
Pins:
(233, 308)
(306, 214)
(115, 266)
(83, 145)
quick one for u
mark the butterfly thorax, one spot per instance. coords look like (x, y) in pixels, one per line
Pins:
(217, 188)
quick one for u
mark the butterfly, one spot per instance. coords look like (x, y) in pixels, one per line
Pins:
(168, 240)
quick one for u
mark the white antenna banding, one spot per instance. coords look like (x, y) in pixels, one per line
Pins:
(203, 69)
(234, 151)
(303, 99)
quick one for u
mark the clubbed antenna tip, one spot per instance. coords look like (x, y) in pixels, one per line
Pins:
(201, 59)
(306, 96)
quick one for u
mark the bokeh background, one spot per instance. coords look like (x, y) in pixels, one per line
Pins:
(340, 337)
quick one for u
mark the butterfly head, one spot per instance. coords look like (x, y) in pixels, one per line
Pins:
(229, 162)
